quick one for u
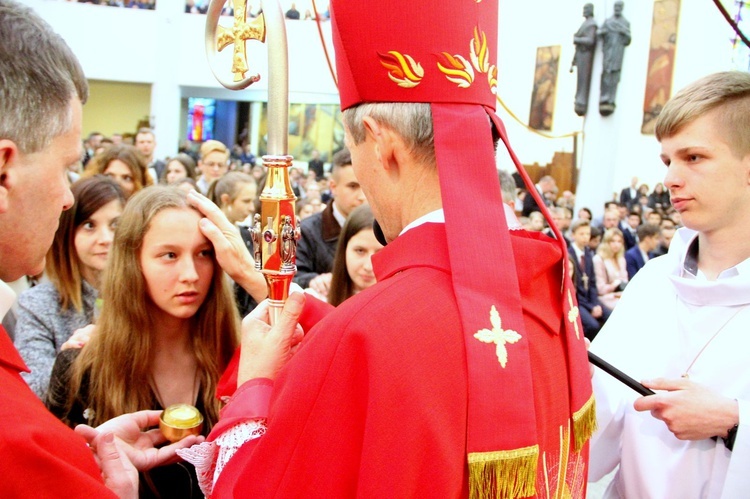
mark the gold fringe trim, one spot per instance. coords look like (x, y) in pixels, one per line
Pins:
(584, 423)
(503, 474)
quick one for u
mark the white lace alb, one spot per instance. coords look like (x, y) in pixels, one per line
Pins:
(210, 458)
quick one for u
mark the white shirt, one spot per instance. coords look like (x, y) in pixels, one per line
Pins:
(340, 218)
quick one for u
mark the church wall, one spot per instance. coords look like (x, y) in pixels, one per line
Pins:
(116, 107)
(612, 149)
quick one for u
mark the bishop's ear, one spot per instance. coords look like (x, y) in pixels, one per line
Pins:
(384, 141)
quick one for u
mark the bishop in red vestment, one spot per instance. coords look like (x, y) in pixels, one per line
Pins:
(463, 371)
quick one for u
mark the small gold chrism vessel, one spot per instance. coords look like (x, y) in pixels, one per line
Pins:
(180, 420)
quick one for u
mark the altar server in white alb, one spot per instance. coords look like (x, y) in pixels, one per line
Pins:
(683, 323)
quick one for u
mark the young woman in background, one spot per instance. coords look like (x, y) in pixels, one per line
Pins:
(352, 265)
(50, 312)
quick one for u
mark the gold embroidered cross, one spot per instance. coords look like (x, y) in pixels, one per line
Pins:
(573, 314)
(241, 31)
(498, 335)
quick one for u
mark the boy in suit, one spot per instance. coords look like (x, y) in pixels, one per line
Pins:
(637, 256)
(593, 313)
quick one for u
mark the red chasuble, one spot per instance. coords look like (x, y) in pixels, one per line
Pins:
(40, 457)
(374, 404)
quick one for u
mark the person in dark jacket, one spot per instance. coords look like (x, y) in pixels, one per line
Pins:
(320, 232)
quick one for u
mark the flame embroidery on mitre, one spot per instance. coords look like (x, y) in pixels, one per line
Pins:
(480, 54)
(492, 79)
(459, 70)
(498, 336)
(402, 69)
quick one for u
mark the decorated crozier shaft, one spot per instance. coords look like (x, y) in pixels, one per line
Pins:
(275, 230)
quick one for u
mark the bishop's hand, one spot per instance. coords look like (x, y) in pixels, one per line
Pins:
(266, 349)
(231, 252)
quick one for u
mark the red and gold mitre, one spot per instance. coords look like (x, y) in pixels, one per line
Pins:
(444, 53)
(420, 52)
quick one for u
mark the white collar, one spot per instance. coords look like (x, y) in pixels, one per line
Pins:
(435, 217)
(438, 217)
(731, 288)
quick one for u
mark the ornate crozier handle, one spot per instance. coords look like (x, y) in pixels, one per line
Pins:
(276, 232)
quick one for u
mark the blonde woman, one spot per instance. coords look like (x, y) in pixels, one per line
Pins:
(610, 268)
(167, 329)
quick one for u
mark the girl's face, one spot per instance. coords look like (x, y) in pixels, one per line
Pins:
(615, 244)
(175, 171)
(93, 239)
(359, 251)
(243, 205)
(584, 215)
(121, 173)
(177, 263)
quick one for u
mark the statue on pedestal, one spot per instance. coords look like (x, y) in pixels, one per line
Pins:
(615, 35)
(583, 60)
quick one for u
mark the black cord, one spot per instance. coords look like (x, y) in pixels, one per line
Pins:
(731, 22)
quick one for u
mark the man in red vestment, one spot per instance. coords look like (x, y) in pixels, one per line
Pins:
(42, 91)
(462, 372)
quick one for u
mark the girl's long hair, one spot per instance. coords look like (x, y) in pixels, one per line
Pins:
(62, 265)
(342, 286)
(117, 359)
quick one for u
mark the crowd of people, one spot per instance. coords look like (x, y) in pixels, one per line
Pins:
(201, 7)
(128, 4)
(416, 332)
(605, 254)
(290, 9)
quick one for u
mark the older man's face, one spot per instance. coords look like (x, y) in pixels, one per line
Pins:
(610, 220)
(36, 192)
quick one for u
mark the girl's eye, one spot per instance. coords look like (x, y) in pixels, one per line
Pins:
(88, 225)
